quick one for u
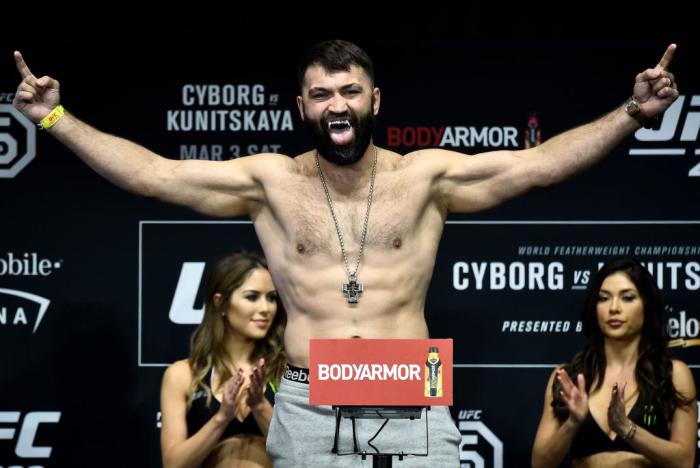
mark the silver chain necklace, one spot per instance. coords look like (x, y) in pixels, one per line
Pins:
(353, 288)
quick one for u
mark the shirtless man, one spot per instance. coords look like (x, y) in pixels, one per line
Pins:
(390, 211)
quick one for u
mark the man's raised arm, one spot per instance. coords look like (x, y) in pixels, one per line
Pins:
(486, 180)
(229, 188)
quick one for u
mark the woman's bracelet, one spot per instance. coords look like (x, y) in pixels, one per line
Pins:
(630, 433)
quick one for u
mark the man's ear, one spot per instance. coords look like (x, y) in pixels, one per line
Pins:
(300, 106)
(376, 98)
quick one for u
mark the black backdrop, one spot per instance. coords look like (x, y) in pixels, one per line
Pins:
(113, 277)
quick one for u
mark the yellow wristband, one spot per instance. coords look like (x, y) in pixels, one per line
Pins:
(53, 117)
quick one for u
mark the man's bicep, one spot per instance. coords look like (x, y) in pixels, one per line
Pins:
(214, 188)
(482, 181)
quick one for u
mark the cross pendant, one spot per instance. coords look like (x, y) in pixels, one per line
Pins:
(352, 289)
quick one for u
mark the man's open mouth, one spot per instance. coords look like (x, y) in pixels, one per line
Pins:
(339, 124)
(341, 131)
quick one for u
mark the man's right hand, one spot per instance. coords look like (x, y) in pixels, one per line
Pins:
(35, 97)
(655, 88)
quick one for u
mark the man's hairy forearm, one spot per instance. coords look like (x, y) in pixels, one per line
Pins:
(126, 164)
(579, 148)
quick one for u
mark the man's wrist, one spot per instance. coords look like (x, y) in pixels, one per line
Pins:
(52, 117)
(634, 110)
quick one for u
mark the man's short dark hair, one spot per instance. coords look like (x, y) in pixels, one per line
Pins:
(335, 56)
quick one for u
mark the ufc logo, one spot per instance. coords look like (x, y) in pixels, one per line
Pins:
(469, 457)
(670, 123)
(25, 447)
(16, 131)
(182, 310)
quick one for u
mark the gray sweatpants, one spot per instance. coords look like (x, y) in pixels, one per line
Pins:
(301, 435)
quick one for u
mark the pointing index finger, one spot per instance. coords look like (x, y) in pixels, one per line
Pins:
(22, 67)
(667, 57)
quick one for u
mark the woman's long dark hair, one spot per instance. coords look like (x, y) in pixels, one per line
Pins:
(654, 368)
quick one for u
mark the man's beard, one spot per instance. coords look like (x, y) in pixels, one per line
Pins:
(341, 155)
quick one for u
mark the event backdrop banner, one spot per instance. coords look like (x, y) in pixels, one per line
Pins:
(100, 289)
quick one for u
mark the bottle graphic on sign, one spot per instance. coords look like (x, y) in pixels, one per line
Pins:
(433, 373)
(533, 133)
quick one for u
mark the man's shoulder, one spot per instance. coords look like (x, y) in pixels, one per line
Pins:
(274, 163)
(268, 158)
(434, 153)
(430, 158)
